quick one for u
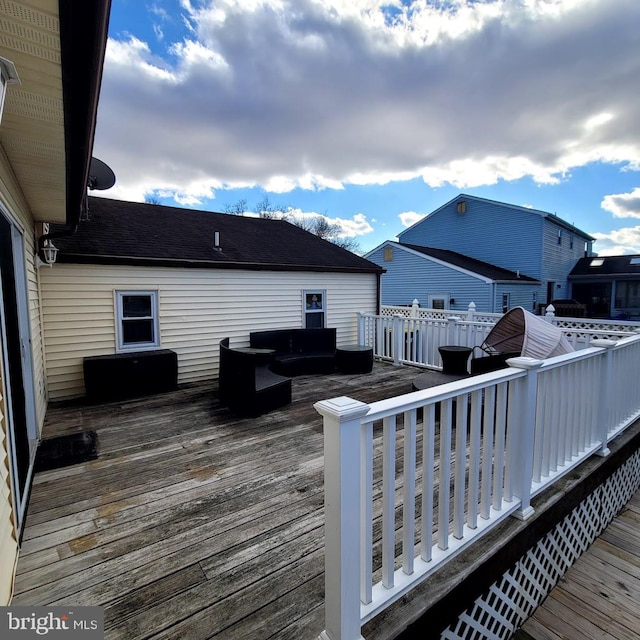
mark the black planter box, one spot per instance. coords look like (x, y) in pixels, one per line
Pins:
(128, 375)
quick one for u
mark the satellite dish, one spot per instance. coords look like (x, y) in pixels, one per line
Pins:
(101, 176)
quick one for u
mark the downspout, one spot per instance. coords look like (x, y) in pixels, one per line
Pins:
(65, 231)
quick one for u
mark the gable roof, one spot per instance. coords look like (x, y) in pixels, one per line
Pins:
(136, 233)
(545, 214)
(606, 266)
(465, 263)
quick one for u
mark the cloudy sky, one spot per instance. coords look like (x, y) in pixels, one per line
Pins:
(374, 113)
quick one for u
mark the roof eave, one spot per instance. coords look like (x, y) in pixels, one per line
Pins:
(83, 42)
(67, 258)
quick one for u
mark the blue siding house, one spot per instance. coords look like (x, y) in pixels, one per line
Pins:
(443, 279)
(523, 257)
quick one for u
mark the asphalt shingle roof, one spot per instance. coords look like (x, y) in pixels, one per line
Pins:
(471, 264)
(120, 232)
(606, 266)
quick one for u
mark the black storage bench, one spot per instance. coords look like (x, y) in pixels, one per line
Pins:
(127, 375)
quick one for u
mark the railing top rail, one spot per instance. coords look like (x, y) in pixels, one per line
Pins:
(416, 399)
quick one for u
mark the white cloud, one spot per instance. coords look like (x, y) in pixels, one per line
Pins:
(317, 94)
(358, 225)
(409, 218)
(623, 205)
(618, 241)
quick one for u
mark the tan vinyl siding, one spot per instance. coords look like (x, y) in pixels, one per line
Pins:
(197, 307)
(13, 202)
(8, 542)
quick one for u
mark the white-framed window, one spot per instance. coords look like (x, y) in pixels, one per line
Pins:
(439, 300)
(506, 302)
(137, 326)
(315, 311)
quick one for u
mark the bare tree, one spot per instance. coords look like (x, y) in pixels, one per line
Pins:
(237, 208)
(318, 225)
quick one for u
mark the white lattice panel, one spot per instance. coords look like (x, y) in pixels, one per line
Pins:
(514, 598)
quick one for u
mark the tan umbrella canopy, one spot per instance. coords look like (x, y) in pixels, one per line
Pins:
(520, 331)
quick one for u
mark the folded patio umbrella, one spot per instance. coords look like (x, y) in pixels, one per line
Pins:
(529, 335)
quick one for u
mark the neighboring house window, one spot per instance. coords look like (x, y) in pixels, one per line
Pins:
(535, 301)
(570, 242)
(314, 309)
(505, 302)
(137, 320)
(559, 236)
(439, 300)
(628, 294)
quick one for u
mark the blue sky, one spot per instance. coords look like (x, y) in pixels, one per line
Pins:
(374, 113)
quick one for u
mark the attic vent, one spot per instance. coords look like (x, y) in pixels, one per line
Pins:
(461, 207)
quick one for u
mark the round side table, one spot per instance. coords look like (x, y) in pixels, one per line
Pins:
(354, 358)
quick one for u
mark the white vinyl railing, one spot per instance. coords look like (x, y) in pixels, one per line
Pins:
(471, 315)
(406, 490)
(415, 340)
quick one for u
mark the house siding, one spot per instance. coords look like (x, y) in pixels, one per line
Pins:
(410, 276)
(513, 243)
(14, 205)
(521, 295)
(197, 309)
(559, 259)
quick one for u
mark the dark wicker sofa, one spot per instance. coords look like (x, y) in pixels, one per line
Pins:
(298, 351)
(246, 384)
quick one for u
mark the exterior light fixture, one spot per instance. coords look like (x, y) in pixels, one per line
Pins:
(8, 75)
(47, 254)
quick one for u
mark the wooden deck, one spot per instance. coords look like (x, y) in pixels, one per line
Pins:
(191, 523)
(598, 597)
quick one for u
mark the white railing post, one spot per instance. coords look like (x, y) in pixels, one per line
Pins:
(550, 314)
(415, 308)
(397, 337)
(343, 458)
(471, 311)
(361, 329)
(605, 399)
(452, 329)
(521, 435)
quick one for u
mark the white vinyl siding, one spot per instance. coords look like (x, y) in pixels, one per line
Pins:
(197, 309)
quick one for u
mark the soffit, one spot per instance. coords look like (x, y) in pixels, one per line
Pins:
(32, 129)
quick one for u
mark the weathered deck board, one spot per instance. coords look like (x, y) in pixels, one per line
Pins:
(191, 523)
(598, 597)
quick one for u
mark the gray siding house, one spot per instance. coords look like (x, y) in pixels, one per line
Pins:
(523, 256)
